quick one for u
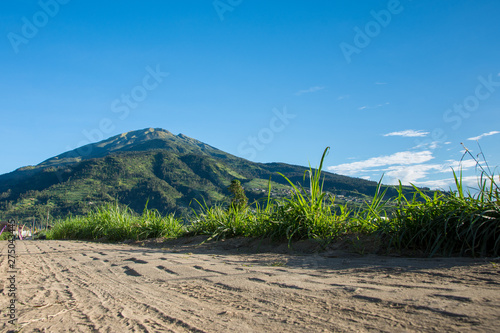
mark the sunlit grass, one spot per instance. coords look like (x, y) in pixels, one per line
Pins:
(5, 236)
(456, 222)
(115, 223)
(308, 214)
(220, 222)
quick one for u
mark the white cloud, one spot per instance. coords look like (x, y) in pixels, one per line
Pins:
(380, 83)
(404, 158)
(408, 173)
(373, 107)
(434, 145)
(456, 165)
(448, 183)
(483, 135)
(413, 173)
(428, 145)
(407, 167)
(308, 91)
(343, 97)
(408, 133)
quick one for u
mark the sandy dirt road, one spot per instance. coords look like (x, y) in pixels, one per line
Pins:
(66, 286)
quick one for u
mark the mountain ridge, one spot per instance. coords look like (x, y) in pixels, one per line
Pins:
(120, 142)
(128, 141)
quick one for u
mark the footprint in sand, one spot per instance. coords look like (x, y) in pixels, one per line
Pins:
(163, 268)
(137, 261)
(130, 271)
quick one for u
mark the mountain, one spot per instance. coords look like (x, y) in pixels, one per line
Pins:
(151, 166)
(142, 140)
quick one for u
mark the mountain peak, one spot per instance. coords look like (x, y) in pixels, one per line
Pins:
(146, 133)
(138, 140)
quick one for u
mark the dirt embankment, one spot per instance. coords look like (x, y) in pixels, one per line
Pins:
(178, 287)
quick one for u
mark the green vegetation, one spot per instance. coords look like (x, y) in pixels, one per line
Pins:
(115, 223)
(5, 236)
(220, 222)
(451, 223)
(239, 200)
(309, 214)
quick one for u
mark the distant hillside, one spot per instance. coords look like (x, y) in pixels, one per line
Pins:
(151, 165)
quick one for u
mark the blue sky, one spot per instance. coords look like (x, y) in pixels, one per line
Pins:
(393, 87)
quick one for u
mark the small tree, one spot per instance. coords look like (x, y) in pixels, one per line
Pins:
(239, 199)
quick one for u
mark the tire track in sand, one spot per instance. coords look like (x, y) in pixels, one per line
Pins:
(92, 287)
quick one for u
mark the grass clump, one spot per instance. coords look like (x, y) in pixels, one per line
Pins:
(309, 214)
(456, 222)
(5, 236)
(115, 223)
(220, 222)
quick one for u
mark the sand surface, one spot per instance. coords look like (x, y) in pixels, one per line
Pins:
(67, 286)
